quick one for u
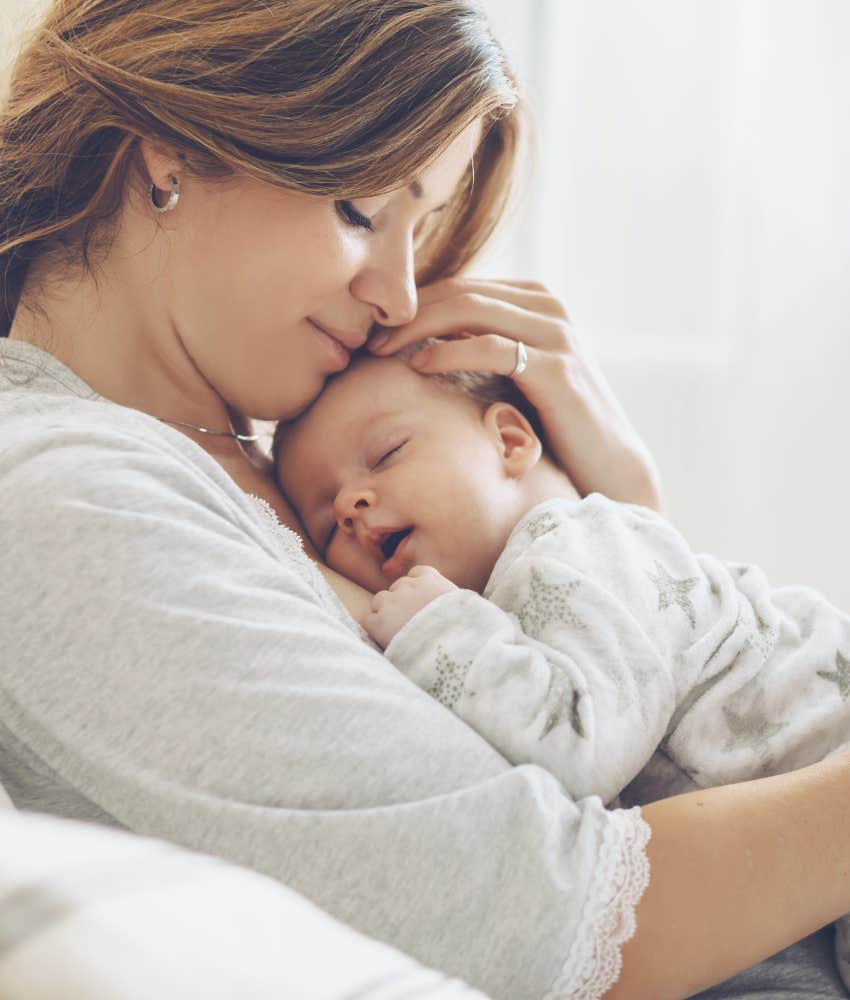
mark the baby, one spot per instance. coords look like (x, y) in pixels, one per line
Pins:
(579, 634)
(582, 635)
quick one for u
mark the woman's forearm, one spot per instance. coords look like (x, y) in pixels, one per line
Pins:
(737, 874)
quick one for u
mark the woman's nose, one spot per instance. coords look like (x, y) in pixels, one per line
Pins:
(388, 283)
(350, 505)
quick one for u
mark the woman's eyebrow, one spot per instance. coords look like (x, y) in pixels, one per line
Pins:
(416, 189)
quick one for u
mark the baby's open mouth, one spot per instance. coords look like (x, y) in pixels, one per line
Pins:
(391, 542)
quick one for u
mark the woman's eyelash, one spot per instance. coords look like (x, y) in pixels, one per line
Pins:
(351, 215)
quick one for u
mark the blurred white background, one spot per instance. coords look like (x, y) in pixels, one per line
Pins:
(689, 205)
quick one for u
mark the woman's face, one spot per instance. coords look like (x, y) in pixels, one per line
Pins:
(254, 270)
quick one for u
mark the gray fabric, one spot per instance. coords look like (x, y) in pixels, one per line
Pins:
(168, 665)
(805, 971)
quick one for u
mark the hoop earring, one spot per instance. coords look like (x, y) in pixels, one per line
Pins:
(173, 198)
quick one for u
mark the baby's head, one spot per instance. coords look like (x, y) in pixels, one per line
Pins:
(389, 469)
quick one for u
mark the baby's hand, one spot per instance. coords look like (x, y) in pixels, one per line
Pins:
(393, 608)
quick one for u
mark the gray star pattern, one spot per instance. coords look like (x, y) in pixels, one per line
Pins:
(750, 728)
(671, 591)
(541, 524)
(764, 636)
(450, 677)
(547, 603)
(561, 699)
(839, 676)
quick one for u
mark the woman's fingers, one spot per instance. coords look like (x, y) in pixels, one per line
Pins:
(476, 313)
(487, 353)
(530, 297)
(529, 294)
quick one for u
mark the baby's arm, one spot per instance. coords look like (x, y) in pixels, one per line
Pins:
(780, 699)
(589, 699)
(761, 676)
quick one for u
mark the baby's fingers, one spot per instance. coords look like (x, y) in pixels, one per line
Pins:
(379, 600)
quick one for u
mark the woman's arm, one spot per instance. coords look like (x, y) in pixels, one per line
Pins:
(191, 685)
(586, 428)
(737, 874)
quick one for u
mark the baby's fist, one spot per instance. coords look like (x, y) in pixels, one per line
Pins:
(393, 608)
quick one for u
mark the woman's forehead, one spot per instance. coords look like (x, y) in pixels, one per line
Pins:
(437, 181)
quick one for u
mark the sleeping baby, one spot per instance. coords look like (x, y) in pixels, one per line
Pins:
(580, 634)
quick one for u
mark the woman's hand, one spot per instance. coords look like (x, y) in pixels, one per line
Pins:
(587, 429)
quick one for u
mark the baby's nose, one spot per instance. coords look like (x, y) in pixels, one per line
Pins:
(350, 506)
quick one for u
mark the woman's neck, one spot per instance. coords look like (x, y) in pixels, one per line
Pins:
(135, 359)
(107, 326)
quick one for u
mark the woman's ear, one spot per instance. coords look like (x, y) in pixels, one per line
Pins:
(160, 163)
(519, 447)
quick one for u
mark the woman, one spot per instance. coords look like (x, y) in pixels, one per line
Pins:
(205, 207)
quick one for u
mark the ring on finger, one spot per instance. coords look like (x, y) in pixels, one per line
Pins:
(521, 360)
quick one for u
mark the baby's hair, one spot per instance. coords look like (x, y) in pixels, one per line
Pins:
(482, 387)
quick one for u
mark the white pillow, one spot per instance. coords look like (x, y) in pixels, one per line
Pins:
(87, 913)
(5, 801)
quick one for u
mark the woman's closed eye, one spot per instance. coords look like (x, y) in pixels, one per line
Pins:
(353, 217)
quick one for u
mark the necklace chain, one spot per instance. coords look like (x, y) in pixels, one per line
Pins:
(205, 430)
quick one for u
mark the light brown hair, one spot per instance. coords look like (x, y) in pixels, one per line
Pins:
(327, 97)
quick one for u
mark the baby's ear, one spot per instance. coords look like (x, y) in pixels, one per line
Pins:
(519, 447)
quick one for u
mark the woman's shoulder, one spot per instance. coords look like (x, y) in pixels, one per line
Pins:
(68, 463)
(44, 406)
(68, 444)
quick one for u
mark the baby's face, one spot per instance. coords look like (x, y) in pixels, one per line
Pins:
(389, 470)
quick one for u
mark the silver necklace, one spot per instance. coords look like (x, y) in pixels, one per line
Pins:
(205, 430)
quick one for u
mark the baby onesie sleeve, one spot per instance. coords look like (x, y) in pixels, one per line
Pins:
(163, 669)
(772, 695)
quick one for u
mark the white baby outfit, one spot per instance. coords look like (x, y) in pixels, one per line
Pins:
(605, 650)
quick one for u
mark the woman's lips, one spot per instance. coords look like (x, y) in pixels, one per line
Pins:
(393, 566)
(337, 350)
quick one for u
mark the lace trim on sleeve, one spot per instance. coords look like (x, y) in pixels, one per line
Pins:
(293, 547)
(608, 921)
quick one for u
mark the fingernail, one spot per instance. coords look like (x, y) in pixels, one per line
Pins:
(376, 343)
(420, 359)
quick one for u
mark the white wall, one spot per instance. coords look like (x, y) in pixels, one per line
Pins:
(690, 205)
(16, 16)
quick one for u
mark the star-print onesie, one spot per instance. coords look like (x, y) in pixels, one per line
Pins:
(603, 647)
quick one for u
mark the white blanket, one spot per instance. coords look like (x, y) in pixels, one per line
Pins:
(87, 913)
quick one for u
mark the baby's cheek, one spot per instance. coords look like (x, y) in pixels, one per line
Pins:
(348, 558)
